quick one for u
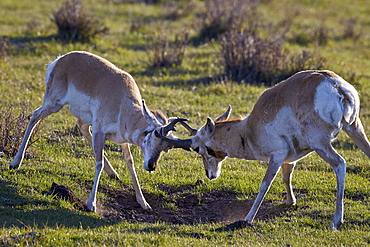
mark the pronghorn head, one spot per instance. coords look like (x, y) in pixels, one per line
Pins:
(153, 145)
(204, 142)
(206, 145)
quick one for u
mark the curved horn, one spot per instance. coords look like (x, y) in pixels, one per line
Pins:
(192, 131)
(224, 116)
(176, 143)
(171, 126)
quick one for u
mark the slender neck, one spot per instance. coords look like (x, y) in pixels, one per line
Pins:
(233, 139)
(136, 133)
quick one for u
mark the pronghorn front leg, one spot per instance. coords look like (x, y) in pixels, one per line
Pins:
(273, 168)
(98, 139)
(130, 164)
(85, 130)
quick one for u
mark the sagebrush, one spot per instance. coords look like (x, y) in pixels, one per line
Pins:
(248, 58)
(75, 24)
(167, 53)
(225, 16)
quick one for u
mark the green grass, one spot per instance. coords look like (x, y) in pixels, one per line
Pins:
(29, 216)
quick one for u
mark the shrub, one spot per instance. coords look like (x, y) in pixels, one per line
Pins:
(4, 46)
(352, 30)
(166, 53)
(319, 35)
(303, 61)
(75, 24)
(12, 128)
(152, 1)
(224, 16)
(322, 35)
(251, 59)
(175, 10)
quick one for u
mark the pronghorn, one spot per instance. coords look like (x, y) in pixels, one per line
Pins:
(290, 120)
(106, 98)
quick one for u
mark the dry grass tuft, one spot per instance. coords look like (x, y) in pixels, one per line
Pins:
(12, 127)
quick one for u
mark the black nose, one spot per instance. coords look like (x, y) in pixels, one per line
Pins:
(210, 176)
(152, 165)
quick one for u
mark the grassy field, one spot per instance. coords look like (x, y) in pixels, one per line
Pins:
(178, 191)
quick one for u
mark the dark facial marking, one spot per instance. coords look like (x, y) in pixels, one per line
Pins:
(295, 143)
(216, 154)
(243, 142)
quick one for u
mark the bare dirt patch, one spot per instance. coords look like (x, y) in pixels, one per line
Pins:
(180, 206)
(183, 206)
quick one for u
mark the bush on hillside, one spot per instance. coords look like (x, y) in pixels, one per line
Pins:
(75, 24)
(225, 16)
(174, 10)
(352, 30)
(4, 46)
(166, 53)
(251, 59)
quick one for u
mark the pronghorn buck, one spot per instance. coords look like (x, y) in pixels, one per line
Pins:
(290, 120)
(106, 98)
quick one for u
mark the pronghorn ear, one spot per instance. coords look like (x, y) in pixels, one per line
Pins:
(225, 116)
(150, 117)
(209, 128)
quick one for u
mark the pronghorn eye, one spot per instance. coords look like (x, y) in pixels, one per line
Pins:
(157, 134)
(210, 151)
(216, 154)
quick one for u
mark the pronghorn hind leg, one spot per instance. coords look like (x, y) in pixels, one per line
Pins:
(130, 164)
(339, 165)
(286, 175)
(40, 113)
(85, 130)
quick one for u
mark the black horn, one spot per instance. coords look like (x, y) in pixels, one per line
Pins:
(176, 143)
(191, 130)
(171, 126)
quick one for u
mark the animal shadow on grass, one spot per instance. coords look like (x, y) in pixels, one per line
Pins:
(179, 205)
(16, 211)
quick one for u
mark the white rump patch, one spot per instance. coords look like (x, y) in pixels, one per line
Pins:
(330, 104)
(350, 109)
(50, 69)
